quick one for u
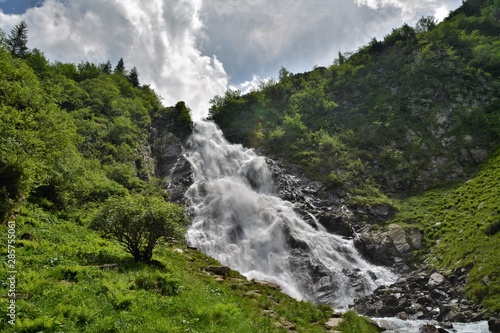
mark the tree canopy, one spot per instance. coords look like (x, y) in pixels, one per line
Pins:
(139, 223)
(18, 40)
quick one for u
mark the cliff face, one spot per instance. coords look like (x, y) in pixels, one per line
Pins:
(167, 151)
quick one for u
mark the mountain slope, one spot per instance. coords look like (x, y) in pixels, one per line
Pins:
(408, 122)
(405, 114)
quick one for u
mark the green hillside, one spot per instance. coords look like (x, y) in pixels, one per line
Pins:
(408, 113)
(461, 225)
(407, 121)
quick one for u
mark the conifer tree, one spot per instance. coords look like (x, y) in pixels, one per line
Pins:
(18, 40)
(133, 77)
(120, 67)
(106, 68)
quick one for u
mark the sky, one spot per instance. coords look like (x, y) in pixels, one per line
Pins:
(192, 50)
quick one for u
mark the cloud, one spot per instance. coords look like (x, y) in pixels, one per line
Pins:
(159, 37)
(411, 9)
(251, 85)
(192, 50)
(257, 37)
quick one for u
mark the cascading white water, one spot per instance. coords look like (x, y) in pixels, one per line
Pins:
(241, 222)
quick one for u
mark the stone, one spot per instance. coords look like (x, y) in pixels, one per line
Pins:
(494, 325)
(398, 236)
(436, 279)
(416, 239)
(391, 301)
(486, 281)
(439, 294)
(219, 270)
(479, 155)
(271, 285)
(428, 328)
(336, 224)
(403, 316)
(333, 322)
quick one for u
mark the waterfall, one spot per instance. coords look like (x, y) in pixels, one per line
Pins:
(240, 221)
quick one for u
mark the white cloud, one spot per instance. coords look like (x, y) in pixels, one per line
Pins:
(251, 85)
(184, 48)
(159, 37)
(437, 8)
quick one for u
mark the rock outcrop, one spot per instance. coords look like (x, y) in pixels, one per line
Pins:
(393, 247)
(423, 295)
(167, 150)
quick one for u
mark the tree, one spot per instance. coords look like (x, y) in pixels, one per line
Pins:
(425, 24)
(36, 137)
(133, 77)
(139, 223)
(106, 68)
(18, 40)
(120, 67)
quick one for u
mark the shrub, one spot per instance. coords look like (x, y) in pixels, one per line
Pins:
(139, 223)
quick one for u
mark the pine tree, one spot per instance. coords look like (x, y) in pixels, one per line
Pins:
(133, 77)
(120, 67)
(18, 38)
(106, 68)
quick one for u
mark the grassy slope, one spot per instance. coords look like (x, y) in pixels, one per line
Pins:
(461, 227)
(67, 293)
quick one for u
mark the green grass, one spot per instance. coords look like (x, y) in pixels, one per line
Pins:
(355, 324)
(461, 227)
(66, 292)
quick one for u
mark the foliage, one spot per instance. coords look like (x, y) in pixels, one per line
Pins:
(18, 39)
(61, 266)
(396, 115)
(36, 136)
(460, 226)
(120, 67)
(140, 223)
(133, 77)
(353, 324)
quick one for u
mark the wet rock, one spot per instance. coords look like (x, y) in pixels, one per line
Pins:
(428, 328)
(403, 316)
(494, 325)
(167, 151)
(388, 248)
(336, 224)
(442, 299)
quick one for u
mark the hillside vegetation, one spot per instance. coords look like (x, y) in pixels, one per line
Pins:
(461, 225)
(408, 113)
(74, 154)
(405, 121)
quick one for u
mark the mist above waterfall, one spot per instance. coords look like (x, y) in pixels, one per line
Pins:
(240, 221)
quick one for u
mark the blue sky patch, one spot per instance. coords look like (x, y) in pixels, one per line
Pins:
(18, 6)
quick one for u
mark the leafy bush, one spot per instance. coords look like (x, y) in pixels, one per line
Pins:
(139, 223)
